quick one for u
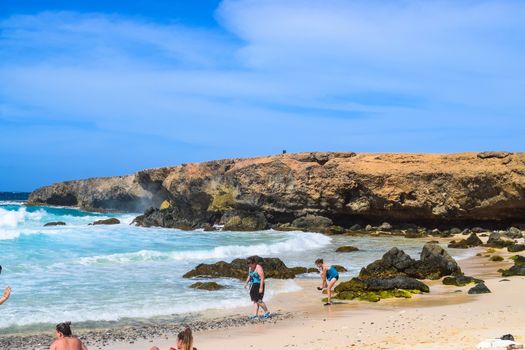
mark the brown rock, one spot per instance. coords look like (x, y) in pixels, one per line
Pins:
(342, 187)
(111, 221)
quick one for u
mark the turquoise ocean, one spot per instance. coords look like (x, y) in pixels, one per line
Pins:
(120, 274)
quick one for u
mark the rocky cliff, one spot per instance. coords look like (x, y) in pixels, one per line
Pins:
(312, 189)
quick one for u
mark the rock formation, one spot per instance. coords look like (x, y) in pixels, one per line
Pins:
(273, 268)
(314, 190)
(472, 241)
(396, 275)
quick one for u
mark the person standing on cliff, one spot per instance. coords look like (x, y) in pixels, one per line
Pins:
(256, 279)
(329, 277)
(6, 294)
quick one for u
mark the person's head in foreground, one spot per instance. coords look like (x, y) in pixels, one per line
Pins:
(65, 339)
(63, 330)
(184, 341)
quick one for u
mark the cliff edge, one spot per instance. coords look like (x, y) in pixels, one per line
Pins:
(319, 189)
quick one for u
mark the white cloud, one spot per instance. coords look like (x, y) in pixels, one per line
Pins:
(303, 75)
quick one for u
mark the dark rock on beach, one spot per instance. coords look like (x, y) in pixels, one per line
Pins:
(273, 268)
(375, 289)
(55, 223)
(460, 281)
(514, 233)
(518, 269)
(479, 288)
(434, 263)
(301, 270)
(340, 268)
(497, 240)
(346, 249)
(111, 221)
(472, 241)
(516, 248)
(396, 274)
(211, 286)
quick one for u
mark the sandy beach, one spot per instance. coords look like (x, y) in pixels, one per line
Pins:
(447, 318)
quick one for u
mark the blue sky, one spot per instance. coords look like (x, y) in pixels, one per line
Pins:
(101, 88)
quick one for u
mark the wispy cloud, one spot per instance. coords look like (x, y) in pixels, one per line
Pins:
(301, 75)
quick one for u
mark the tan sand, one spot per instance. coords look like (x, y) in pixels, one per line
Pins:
(443, 319)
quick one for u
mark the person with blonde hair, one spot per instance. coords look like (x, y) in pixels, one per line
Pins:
(184, 341)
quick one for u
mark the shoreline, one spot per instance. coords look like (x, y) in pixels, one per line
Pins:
(293, 311)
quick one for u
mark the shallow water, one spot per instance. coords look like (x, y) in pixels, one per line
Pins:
(121, 273)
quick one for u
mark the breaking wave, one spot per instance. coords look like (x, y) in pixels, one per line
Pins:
(298, 241)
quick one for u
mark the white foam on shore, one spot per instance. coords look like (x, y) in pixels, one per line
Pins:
(150, 308)
(299, 241)
(465, 254)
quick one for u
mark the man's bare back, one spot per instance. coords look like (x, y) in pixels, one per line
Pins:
(68, 343)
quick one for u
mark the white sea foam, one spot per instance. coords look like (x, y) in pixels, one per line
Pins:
(12, 220)
(298, 241)
(147, 308)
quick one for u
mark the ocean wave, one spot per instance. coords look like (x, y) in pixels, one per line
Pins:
(13, 218)
(299, 241)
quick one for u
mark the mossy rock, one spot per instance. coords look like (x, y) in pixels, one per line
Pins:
(372, 296)
(346, 249)
(211, 286)
(490, 251)
(460, 281)
(223, 200)
(111, 221)
(300, 270)
(518, 259)
(496, 258)
(516, 248)
(334, 230)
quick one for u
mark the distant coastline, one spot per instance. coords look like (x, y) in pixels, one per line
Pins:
(14, 196)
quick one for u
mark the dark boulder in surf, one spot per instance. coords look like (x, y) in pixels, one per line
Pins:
(55, 223)
(273, 268)
(346, 249)
(111, 221)
(211, 286)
